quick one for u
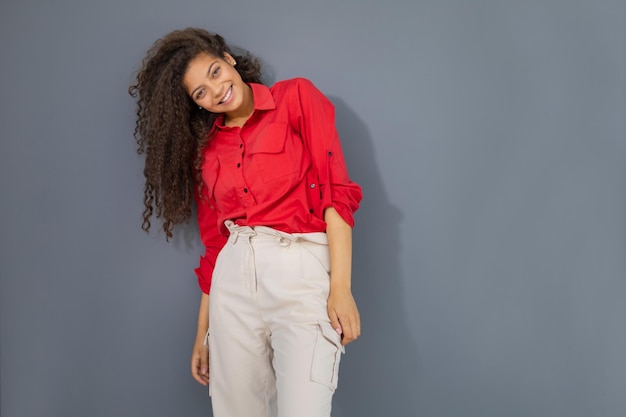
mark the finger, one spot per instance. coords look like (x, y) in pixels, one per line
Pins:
(195, 363)
(351, 331)
(334, 321)
(204, 364)
(196, 370)
(346, 337)
(356, 324)
(202, 379)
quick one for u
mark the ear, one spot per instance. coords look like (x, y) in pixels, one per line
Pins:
(229, 58)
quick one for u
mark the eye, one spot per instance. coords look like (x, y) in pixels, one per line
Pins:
(215, 72)
(200, 94)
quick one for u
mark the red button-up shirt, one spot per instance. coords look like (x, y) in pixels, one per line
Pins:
(281, 169)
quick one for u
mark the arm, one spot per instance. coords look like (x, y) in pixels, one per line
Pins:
(210, 235)
(200, 353)
(316, 122)
(342, 309)
(340, 198)
(213, 241)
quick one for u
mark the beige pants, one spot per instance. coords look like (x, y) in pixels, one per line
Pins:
(273, 352)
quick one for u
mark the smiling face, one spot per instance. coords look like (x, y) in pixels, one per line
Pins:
(214, 84)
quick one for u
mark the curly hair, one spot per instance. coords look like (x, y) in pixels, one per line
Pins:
(171, 129)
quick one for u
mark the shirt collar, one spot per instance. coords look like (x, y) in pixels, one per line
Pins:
(263, 100)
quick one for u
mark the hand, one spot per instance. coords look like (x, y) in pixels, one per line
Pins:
(344, 315)
(200, 362)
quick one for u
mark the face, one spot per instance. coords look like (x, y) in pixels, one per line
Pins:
(214, 84)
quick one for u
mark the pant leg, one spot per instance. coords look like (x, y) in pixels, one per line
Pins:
(293, 287)
(240, 355)
(306, 362)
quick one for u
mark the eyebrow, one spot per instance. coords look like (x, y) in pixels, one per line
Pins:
(207, 73)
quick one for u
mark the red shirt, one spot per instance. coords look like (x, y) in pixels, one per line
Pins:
(281, 169)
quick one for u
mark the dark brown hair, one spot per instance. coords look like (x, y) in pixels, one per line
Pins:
(171, 129)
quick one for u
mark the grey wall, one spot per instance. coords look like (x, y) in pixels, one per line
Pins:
(489, 138)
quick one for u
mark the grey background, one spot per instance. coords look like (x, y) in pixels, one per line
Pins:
(488, 136)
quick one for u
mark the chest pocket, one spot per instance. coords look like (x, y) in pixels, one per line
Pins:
(275, 153)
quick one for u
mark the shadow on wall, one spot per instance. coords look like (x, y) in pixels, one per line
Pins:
(187, 236)
(379, 374)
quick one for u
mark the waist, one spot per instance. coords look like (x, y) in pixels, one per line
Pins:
(264, 231)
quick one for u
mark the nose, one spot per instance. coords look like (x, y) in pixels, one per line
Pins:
(217, 92)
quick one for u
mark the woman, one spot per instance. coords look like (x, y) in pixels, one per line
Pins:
(275, 210)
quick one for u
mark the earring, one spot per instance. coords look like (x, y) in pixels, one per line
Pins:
(200, 107)
(234, 63)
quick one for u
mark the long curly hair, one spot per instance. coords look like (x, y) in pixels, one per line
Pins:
(171, 129)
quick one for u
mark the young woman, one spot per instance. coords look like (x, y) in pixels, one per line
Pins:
(275, 210)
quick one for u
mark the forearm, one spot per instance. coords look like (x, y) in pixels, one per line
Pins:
(200, 353)
(203, 318)
(342, 310)
(339, 235)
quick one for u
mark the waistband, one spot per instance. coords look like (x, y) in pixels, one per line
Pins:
(250, 231)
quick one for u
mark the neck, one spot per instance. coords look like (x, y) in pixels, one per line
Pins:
(239, 117)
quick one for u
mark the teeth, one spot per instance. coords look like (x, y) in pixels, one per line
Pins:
(228, 94)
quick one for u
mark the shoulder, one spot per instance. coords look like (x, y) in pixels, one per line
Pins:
(294, 83)
(298, 85)
(299, 90)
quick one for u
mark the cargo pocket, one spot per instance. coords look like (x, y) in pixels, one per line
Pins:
(326, 356)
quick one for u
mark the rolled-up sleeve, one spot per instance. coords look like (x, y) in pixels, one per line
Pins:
(212, 239)
(317, 127)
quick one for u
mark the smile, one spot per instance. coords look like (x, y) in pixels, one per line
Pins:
(227, 96)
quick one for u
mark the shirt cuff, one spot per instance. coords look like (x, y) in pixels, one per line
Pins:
(204, 273)
(345, 199)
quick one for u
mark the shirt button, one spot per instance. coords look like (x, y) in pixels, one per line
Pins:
(245, 190)
(238, 165)
(330, 154)
(241, 145)
(311, 211)
(312, 185)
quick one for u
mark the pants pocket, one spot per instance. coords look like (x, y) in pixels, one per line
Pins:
(326, 356)
(315, 261)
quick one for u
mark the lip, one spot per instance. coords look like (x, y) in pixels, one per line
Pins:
(228, 96)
